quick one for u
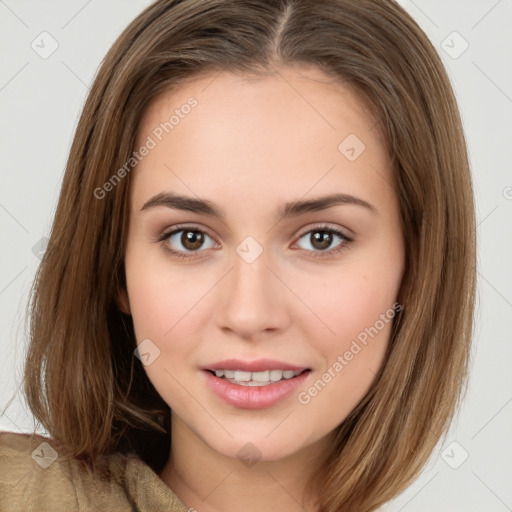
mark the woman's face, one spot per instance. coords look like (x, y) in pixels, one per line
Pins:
(235, 252)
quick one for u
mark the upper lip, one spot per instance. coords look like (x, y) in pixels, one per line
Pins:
(258, 365)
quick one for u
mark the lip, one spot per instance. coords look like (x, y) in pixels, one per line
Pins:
(258, 365)
(254, 397)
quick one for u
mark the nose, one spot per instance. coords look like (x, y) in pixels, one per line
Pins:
(253, 299)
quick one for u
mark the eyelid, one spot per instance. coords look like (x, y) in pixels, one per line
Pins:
(179, 227)
(337, 230)
(166, 233)
(325, 226)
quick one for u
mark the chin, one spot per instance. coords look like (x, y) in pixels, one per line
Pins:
(256, 447)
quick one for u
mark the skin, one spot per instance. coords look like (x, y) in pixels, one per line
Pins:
(250, 146)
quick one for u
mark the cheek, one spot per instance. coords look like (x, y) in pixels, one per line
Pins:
(159, 296)
(162, 308)
(361, 315)
(168, 307)
(348, 304)
(357, 304)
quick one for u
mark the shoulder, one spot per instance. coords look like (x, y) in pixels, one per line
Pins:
(34, 477)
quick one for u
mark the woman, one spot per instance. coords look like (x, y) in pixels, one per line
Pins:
(261, 269)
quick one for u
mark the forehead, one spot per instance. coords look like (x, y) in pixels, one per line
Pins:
(289, 129)
(293, 93)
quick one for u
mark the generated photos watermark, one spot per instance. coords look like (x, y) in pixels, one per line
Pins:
(150, 143)
(357, 345)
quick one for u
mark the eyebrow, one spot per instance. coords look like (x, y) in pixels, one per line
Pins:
(291, 209)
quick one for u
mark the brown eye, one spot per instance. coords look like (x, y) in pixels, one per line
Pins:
(323, 240)
(192, 240)
(187, 240)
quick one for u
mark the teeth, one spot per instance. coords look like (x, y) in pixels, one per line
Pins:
(276, 375)
(255, 378)
(242, 376)
(260, 376)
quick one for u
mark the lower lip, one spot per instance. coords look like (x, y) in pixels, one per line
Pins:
(254, 397)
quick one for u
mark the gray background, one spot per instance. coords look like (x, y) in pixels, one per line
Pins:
(40, 101)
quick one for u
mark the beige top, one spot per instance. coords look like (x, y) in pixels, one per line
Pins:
(33, 478)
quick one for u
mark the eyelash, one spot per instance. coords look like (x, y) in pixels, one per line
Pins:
(315, 254)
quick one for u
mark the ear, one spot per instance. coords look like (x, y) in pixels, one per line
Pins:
(123, 302)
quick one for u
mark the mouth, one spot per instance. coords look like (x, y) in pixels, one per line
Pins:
(257, 379)
(260, 389)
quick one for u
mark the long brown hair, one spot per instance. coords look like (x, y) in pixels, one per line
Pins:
(82, 380)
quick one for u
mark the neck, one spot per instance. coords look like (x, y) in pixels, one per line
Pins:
(212, 482)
